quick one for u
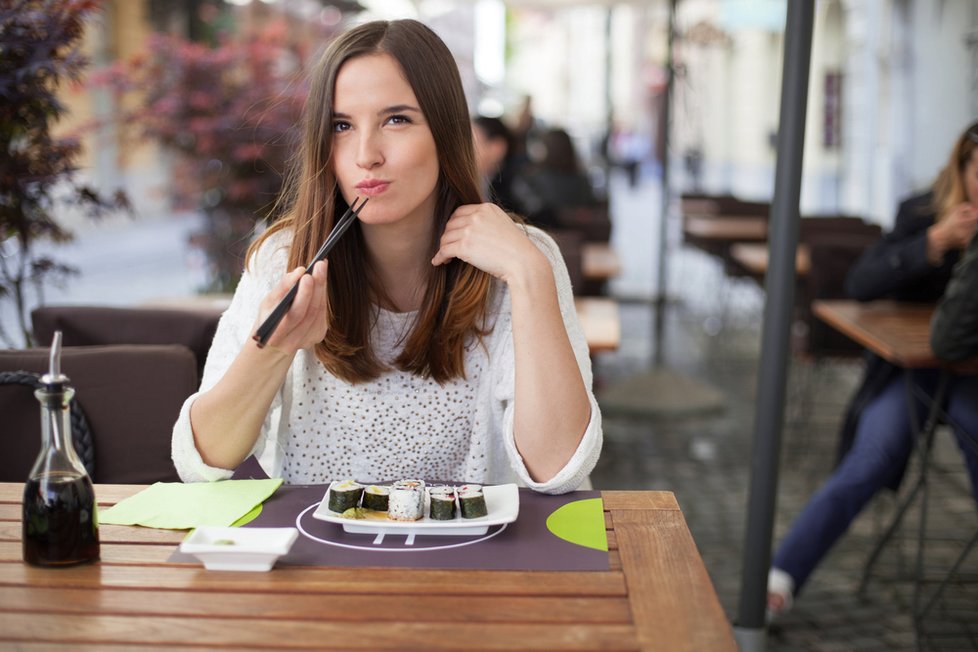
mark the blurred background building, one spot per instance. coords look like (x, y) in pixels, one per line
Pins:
(892, 82)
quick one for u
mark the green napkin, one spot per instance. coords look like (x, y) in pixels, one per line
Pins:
(178, 506)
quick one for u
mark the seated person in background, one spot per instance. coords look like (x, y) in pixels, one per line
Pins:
(911, 263)
(555, 181)
(496, 163)
(954, 328)
(439, 341)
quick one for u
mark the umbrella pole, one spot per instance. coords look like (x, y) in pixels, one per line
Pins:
(779, 285)
(661, 298)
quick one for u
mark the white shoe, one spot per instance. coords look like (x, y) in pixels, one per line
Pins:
(781, 585)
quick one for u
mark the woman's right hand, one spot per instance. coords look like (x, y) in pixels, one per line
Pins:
(953, 232)
(305, 323)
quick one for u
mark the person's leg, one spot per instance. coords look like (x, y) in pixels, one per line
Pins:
(962, 406)
(880, 450)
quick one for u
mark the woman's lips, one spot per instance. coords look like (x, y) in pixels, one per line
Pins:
(372, 188)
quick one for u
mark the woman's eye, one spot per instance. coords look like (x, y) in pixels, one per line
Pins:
(399, 119)
(340, 125)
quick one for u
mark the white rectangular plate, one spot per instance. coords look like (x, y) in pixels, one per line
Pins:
(502, 505)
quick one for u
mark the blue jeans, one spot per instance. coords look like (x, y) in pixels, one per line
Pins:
(882, 445)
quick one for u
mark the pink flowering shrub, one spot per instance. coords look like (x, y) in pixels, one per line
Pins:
(231, 114)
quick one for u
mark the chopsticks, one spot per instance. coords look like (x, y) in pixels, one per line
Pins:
(271, 322)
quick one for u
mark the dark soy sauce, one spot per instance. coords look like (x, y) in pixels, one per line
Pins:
(60, 521)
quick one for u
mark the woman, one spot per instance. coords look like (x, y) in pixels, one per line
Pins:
(911, 263)
(439, 341)
(555, 183)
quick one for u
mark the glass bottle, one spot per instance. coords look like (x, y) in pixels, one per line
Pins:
(60, 518)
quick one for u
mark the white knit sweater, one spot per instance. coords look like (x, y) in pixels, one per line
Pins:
(320, 428)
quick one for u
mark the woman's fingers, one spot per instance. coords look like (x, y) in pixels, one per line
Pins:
(304, 323)
(485, 236)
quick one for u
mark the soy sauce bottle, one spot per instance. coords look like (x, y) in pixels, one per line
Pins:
(60, 518)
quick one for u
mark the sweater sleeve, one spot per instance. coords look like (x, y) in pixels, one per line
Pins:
(576, 471)
(233, 331)
(954, 329)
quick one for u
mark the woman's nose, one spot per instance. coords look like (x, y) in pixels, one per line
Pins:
(369, 151)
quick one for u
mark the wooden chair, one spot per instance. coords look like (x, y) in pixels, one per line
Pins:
(592, 221)
(102, 325)
(815, 343)
(130, 396)
(834, 245)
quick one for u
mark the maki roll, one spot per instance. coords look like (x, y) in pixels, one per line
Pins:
(442, 503)
(375, 498)
(471, 501)
(344, 494)
(406, 500)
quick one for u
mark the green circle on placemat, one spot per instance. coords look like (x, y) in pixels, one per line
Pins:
(249, 517)
(580, 522)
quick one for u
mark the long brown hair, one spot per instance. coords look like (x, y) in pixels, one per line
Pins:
(949, 185)
(454, 304)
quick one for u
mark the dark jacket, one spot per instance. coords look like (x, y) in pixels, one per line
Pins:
(954, 329)
(545, 193)
(894, 268)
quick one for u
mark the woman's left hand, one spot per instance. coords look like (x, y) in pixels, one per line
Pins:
(484, 236)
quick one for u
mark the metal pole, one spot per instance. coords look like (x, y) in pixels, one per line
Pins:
(609, 119)
(661, 292)
(779, 287)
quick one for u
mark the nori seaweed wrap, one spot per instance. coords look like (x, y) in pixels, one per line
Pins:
(471, 501)
(376, 498)
(442, 503)
(344, 494)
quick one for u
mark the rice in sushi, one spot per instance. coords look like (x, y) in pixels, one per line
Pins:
(406, 500)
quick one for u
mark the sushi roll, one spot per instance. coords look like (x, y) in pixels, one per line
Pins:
(472, 501)
(376, 498)
(442, 503)
(344, 494)
(406, 500)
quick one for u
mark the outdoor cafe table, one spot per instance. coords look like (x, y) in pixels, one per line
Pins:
(753, 257)
(656, 596)
(897, 332)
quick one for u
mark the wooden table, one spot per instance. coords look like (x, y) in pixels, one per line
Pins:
(657, 596)
(599, 261)
(897, 332)
(753, 257)
(600, 321)
(721, 228)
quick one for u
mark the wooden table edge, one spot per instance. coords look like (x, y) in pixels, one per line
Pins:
(827, 311)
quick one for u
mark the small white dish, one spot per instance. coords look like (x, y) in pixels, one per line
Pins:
(239, 549)
(502, 505)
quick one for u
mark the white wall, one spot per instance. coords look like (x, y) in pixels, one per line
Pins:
(909, 86)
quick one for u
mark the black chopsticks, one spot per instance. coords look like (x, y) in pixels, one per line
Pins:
(271, 322)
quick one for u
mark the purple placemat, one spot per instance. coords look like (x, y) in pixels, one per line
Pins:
(525, 544)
